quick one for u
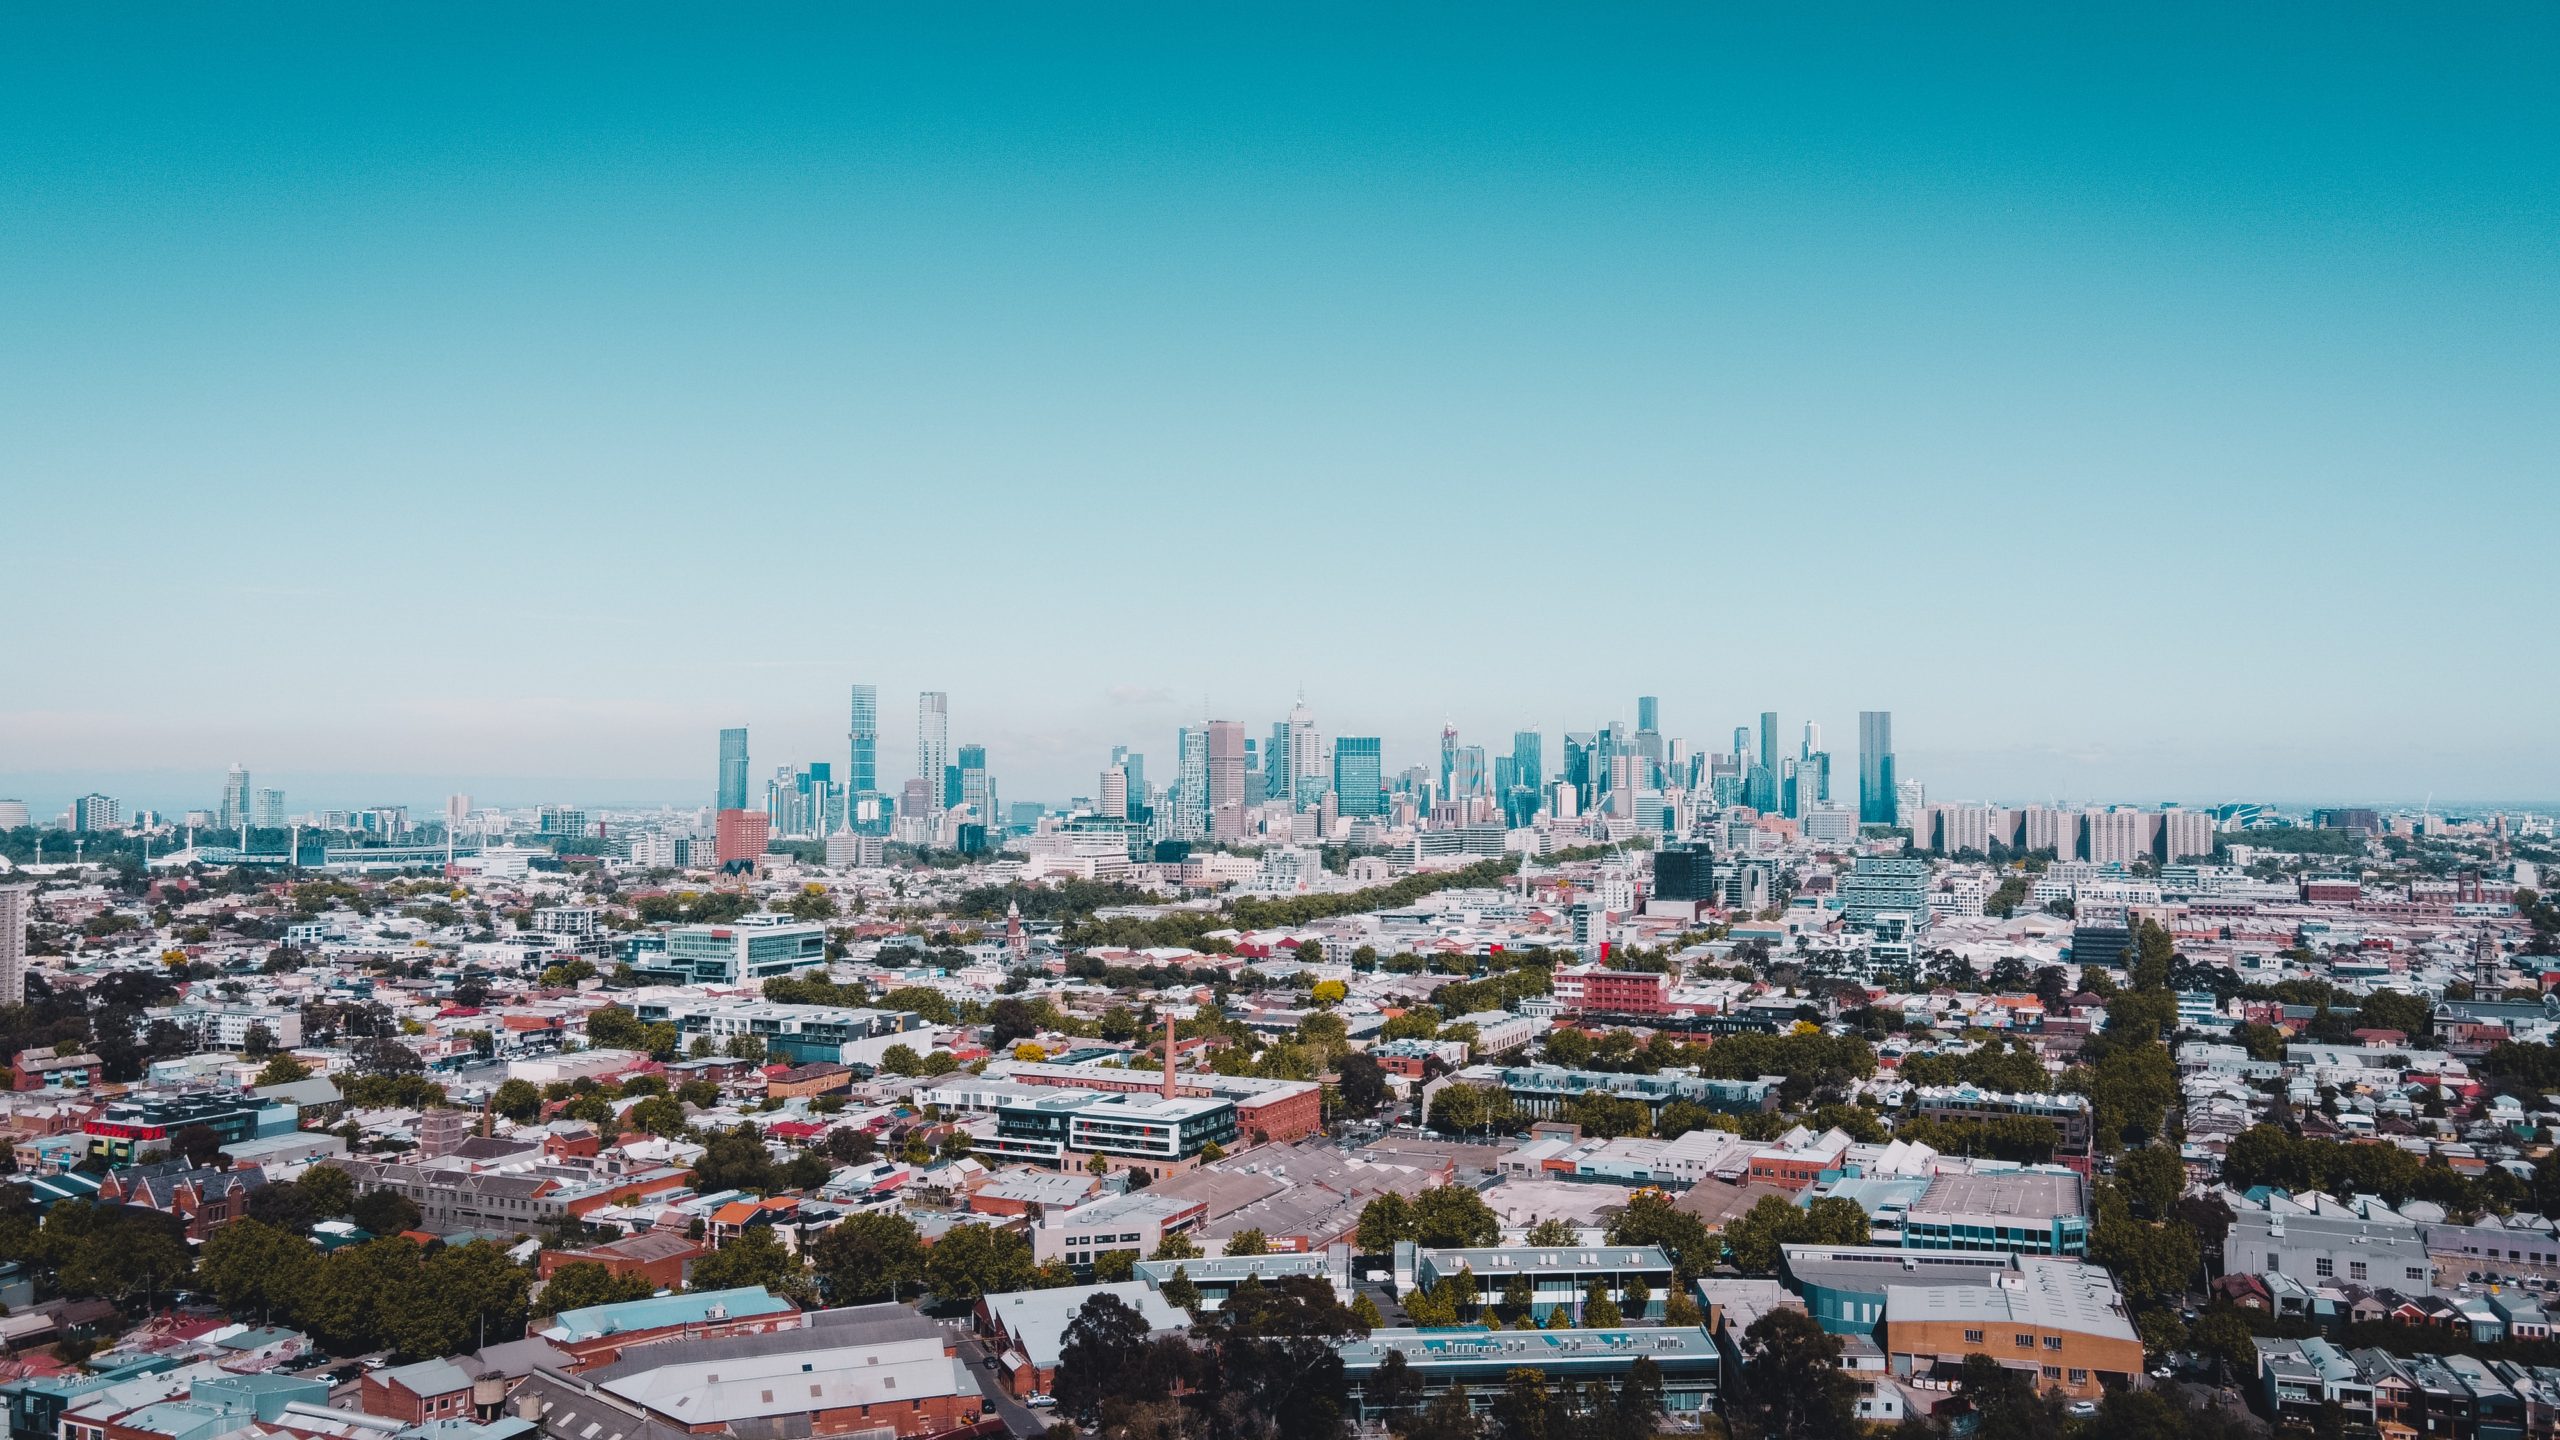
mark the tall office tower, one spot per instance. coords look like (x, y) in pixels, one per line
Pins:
(15, 902)
(235, 799)
(1226, 779)
(933, 742)
(862, 740)
(1818, 761)
(1113, 801)
(733, 770)
(1358, 776)
(1649, 713)
(1761, 793)
(1191, 806)
(1279, 782)
(1876, 795)
(1528, 777)
(1581, 761)
(1307, 777)
(1134, 765)
(266, 809)
(1448, 754)
(1648, 739)
(965, 782)
(1467, 777)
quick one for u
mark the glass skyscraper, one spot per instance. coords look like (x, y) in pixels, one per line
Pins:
(862, 736)
(733, 769)
(1876, 802)
(1358, 774)
(933, 744)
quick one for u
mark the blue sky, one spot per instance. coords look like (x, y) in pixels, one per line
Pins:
(2142, 402)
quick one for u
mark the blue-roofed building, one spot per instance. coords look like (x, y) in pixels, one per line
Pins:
(597, 1333)
(1559, 1276)
(1843, 1286)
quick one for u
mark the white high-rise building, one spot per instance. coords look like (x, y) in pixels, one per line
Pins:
(1113, 800)
(235, 799)
(2185, 835)
(933, 745)
(15, 902)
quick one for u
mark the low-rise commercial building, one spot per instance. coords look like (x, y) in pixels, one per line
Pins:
(2059, 1320)
(1560, 1277)
(1482, 1360)
(2028, 1212)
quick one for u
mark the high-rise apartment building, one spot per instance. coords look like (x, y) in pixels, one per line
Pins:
(2185, 835)
(266, 809)
(1649, 713)
(733, 770)
(1191, 804)
(967, 783)
(862, 741)
(1358, 775)
(1111, 799)
(235, 799)
(2044, 828)
(15, 902)
(94, 812)
(1226, 780)
(1307, 777)
(1877, 802)
(933, 744)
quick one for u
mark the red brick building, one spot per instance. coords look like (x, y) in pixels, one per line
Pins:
(415, 1394)
(659, 1257)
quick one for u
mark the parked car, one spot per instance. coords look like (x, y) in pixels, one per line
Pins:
(1038, 1401)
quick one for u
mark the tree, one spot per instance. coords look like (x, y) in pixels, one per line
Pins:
(1791, 1382)
(614, 1027)
(754, 1256)
(1176, 1245)
(1448, 1217)
(2151, 1179)
(197, 1143)
(1363, 1084)
(1104, 1343)
(517, 1100)
(734, 1159)
(1181, 1292)
(1470, 1109)
(1384, 1221)
(1552, 1231)
(326, 1191)
(252, 1267)
(1599, 1311)
(1366, 1309)
(383, 1055)
(462, 1297)
(1651, 1219)
(973, 1260)
(1393, 1388)
(1248, 1242)
(384, 1212)
(584, 1283)
(901, 1059)
(283, 1070)
(661, 1116)
(1111, 1267)
(867, 1258)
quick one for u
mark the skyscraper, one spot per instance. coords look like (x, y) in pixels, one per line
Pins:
(235, 799)
(15, 901)
(1448, 755)
(1191, 809)
(1307, 778)
(1876, 805)
(733, 770)
(1111, 798)
(1226, 779)
(1358, 773)
(266, 809)
(933, 743)
(862, 741)
(1761, 794)
(1649, 713)
(1279, 782)
(975, 789)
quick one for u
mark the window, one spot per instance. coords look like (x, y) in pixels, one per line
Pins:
(2275, 1263)
(2355, 1269)
(1973, 1337)
(2417, 1274)
(2053, 1342)
(2053, 1372)
(2324, 1267)
(2026, 1342)
(2079, 1377)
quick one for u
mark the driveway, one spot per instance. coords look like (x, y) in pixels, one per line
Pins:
(1019, 1418)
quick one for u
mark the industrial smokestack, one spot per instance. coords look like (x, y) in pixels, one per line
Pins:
(1168, 1054)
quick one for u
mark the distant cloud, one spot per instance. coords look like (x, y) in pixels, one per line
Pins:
(1139, 695)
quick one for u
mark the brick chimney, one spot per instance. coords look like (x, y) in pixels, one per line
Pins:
(1168, 1054)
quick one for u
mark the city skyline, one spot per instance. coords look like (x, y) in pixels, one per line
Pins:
(1470, 370)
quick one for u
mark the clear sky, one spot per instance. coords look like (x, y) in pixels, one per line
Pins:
(2141, 401)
